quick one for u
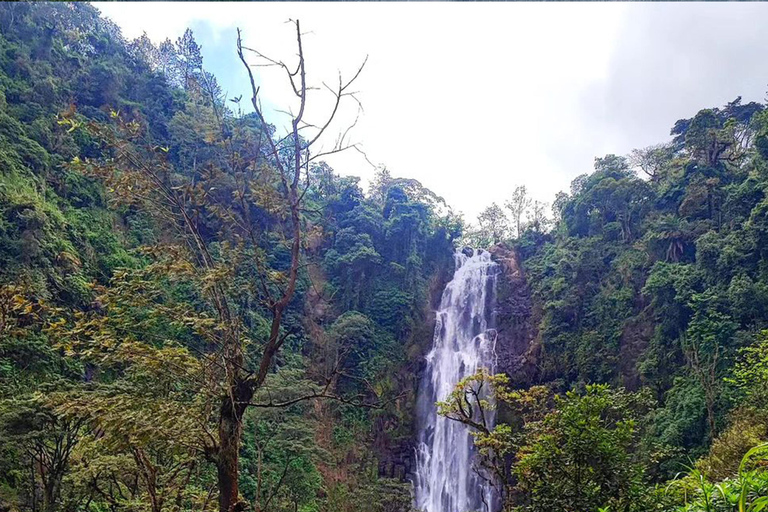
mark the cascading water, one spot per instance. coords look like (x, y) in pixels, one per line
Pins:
(463, 342)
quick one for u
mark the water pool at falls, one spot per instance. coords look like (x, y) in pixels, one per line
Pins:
(463, 342)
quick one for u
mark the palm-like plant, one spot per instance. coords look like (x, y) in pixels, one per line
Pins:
(746, 492)
(753, 495)
(670, 235)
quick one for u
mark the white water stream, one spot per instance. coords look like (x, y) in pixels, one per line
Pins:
(463, 342)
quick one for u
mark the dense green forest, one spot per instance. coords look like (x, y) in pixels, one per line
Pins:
(197, 313)
(648, 354)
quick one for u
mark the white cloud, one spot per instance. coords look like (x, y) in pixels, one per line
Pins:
(469, 98)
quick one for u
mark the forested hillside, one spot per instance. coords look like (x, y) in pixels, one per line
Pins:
(111, 356)
(197, 313)
(651, 279)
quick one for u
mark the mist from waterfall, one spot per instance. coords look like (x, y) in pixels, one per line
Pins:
(463, 342)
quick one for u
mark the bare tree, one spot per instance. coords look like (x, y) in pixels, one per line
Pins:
(275, 175)
(651, 160)
(493, 226)
(276, 171)
(518, 205)
(241, 384)
(47, 445)
(537, 216)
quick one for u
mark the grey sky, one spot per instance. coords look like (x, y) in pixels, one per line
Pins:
(473, 99)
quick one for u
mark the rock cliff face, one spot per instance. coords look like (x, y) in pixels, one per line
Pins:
(517, 344)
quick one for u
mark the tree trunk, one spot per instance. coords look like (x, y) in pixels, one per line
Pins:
(33, 485)
(50, 492)
(230, 433)
(711, 418)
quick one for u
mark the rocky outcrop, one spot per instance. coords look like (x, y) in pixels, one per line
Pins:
(398, 462)
(516, 346)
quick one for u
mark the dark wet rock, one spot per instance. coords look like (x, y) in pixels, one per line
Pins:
(468, 252)
(515, 319)
(398, 463)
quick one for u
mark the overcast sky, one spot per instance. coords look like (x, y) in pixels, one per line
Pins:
(473, 99)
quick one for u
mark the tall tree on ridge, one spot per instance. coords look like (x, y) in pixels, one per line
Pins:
(518, 206)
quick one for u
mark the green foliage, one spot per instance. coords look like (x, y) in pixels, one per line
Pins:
(577, 451)
(108, 334)
(747, 491)
(107, 322)
(750, 374)
(660, 283)
(655, 284)
(580, 456)
(280, 461)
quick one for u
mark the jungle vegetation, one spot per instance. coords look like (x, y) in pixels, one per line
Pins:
(649, 355)
(197, 313)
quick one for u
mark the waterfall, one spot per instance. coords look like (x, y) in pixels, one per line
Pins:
(463, 342)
